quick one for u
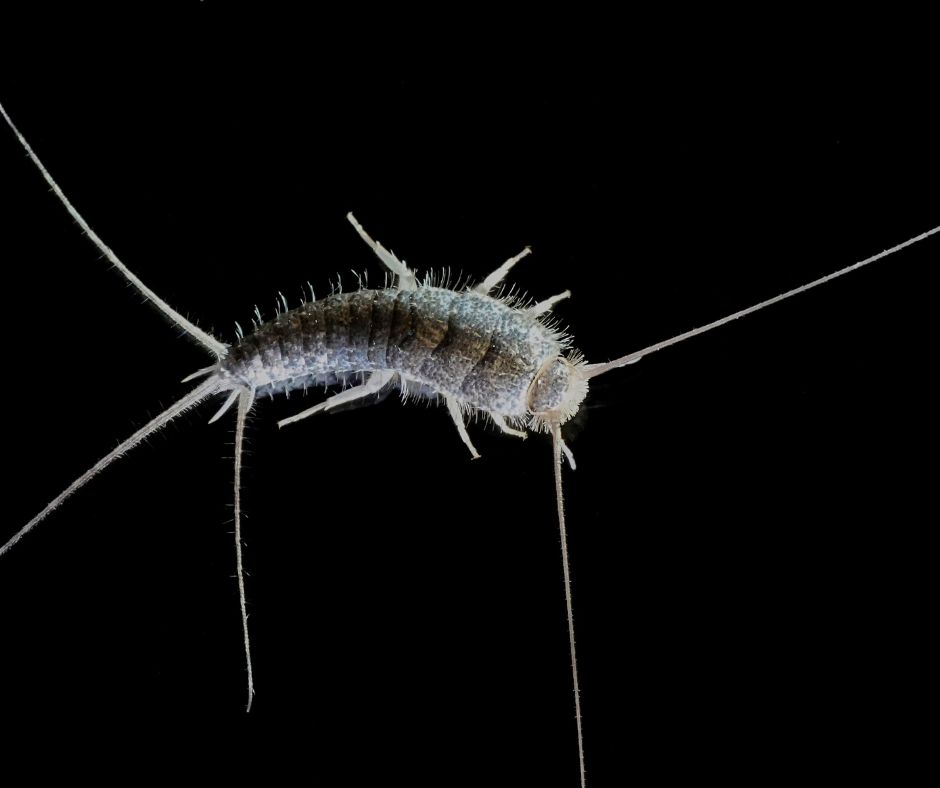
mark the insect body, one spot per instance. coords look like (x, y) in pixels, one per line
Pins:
(473, 351)
(464, 346)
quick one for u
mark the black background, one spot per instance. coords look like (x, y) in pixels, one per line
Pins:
(750, 520)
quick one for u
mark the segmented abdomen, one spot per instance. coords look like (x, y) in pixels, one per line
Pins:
(457, 343)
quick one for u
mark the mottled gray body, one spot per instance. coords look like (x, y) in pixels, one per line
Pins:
(474, 350)
(461, 344)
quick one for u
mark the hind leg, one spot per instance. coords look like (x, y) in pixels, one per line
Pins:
(376, 382)
(406, 277)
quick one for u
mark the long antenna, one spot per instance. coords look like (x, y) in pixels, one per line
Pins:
(203, 338)
(592, 370)
(558, 445)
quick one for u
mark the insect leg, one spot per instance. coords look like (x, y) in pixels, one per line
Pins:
(406, 277)
(453, 406)
(500, 273)
(548, 303)
(500, 422)
(376, 382)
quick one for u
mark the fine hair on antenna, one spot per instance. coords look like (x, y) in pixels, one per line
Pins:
(478, 349)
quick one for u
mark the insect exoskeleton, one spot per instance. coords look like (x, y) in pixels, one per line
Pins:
(557, 391)
(475, 351)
